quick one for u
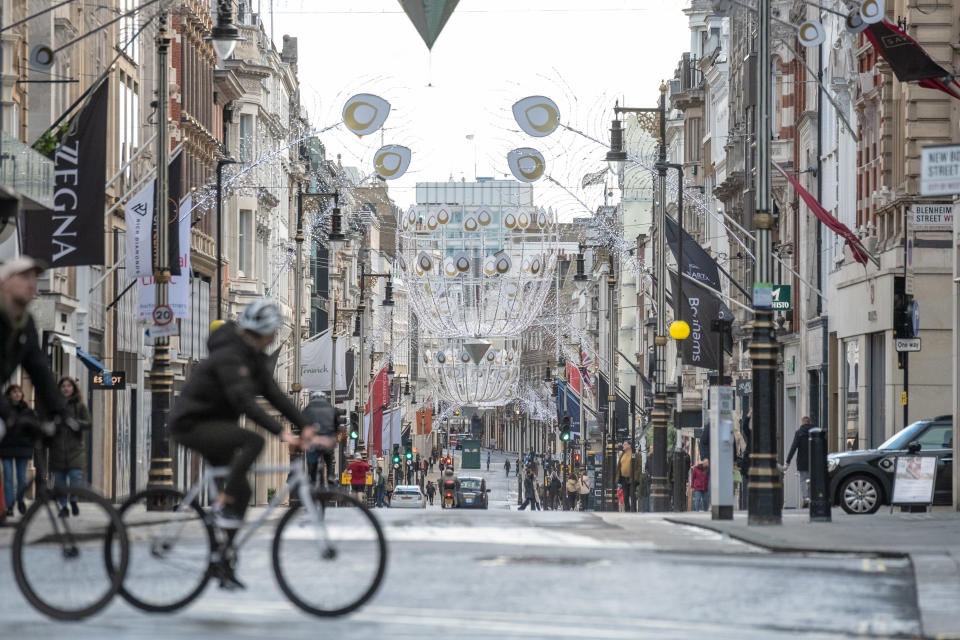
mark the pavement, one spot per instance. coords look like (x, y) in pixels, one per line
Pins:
(931, 541)
(502, 573)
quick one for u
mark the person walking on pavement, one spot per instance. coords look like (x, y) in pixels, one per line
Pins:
(801, 447)
(626, 468)
(358, 475)
(556, 487)
(584, 490)
(431, 491)
(488, 461)
(529, 492)
(441, 466)
(381, 490)
(517, 470)
(16, 449)
(573, 492)
(620, 498)
(506, 468)
(699, 483)
(68, 451)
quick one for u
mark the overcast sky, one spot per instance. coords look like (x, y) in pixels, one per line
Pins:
(584, 54)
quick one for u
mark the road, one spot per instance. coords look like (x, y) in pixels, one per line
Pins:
(502, 573)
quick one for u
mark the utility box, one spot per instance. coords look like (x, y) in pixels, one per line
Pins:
(470, 456)
(721, 453)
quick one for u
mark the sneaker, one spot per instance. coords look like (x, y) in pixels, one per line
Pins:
(21, 506)
(74, 508)
(225, 518)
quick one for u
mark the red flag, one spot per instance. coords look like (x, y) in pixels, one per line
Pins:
(573, 376)
(859, 253)
(908, 60)
(378, 396)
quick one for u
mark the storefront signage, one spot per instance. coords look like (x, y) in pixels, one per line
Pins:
(110, 380)
(936, 216)
(913, 480)
(781, 297)
(940, 170)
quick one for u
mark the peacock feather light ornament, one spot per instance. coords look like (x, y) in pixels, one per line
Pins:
(481, 373)
(477, 271)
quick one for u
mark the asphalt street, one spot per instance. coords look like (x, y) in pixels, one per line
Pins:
(500, 573)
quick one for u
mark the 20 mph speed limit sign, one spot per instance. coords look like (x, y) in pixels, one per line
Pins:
(162, 315)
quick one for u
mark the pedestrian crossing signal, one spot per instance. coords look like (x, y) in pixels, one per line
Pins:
(565, 430)
(576, 458)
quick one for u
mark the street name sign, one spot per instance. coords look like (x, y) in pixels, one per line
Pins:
(936, 216)
(907, 344)
(781, 297)
(940, 170)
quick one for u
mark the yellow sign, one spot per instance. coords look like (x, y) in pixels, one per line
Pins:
(345, 477)
(903, 398)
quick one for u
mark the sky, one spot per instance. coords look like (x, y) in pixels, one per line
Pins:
(583, 54)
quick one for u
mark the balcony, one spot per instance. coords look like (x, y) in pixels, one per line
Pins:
(686, 89)
(25, 172)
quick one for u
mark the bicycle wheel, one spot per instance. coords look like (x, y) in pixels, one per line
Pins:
(330, 564)
(61, 564)
(171, 546)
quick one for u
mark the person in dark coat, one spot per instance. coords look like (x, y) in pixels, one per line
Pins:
(529, 492)
(16, 449)
(68, 451)
(801, 447)
(322, 415)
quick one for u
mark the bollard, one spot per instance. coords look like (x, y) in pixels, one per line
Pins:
(819, 482)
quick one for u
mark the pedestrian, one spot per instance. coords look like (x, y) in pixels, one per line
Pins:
(517, 468)
(556, 487)
(441, 465)
(16, 449)
(381, 490)
(506, 468)
(801, 447)
(620, 497)
(488, 461)
(573, 491)
(584, 490)
(699, 483)
(431, 491)
(68, 451)
(358, 475)
(322, 416)
(529, 492)
(626, 467)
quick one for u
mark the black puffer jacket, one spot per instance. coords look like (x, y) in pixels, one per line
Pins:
(19, 346)
(226, 385)
(320, 413)
(18, 443)
(68, 450)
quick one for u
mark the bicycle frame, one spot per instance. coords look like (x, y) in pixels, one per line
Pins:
(296, 481)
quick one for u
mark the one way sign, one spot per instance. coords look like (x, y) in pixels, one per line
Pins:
(781, 296)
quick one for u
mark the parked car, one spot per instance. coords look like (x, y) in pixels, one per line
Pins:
(862, 481)
(408, 496)
(473, 493)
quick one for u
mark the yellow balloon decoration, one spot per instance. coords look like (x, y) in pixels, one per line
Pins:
(679, 330)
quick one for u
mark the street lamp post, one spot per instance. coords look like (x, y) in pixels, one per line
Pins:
(161, 378)
(610, 464)
(220, 165)
(764, 491)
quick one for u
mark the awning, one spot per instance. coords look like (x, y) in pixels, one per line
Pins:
(65, 342)
(90, 362)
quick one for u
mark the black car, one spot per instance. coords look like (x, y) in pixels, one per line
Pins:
(862, 481)
(473, 493)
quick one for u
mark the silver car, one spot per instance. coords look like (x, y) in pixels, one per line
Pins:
(408, 496)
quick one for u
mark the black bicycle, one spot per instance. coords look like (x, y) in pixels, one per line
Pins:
(69, 568)
(329, 553)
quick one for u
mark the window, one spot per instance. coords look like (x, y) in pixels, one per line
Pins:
(247, 126)
(937, 436)
(244, 237)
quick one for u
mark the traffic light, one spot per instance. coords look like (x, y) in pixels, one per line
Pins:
(340, 419)
(449, 461)
(902, 313)
(408, 453)
(396, 455)
(354, 425)
(576, 458)
(565, 430)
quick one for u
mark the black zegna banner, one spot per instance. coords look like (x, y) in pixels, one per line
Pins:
(72, 234)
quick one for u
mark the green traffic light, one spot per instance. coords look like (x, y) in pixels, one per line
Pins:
(353, 434)
(396, 459)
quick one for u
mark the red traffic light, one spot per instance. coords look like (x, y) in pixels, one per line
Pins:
(449, 495)
(449, 461)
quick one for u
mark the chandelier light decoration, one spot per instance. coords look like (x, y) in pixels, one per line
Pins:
(477, 272)
(472, 372)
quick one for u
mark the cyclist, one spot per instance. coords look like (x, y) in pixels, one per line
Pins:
(19, 345)
(221, 389)
(322, 414)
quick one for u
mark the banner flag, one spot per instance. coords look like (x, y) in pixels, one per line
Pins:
(699, 308)
(72, 234)
(178, 290)
(315, 363)
(139, 217)
(377, 399)
(174, 212)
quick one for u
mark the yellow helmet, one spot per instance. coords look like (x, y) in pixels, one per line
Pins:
(216, 324)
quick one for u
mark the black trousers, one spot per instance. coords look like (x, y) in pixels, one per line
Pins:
(629, 499)
(223, 443)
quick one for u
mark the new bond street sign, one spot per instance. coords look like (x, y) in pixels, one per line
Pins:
(940, 170)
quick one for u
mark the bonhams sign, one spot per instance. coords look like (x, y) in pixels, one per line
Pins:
(72, 234)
